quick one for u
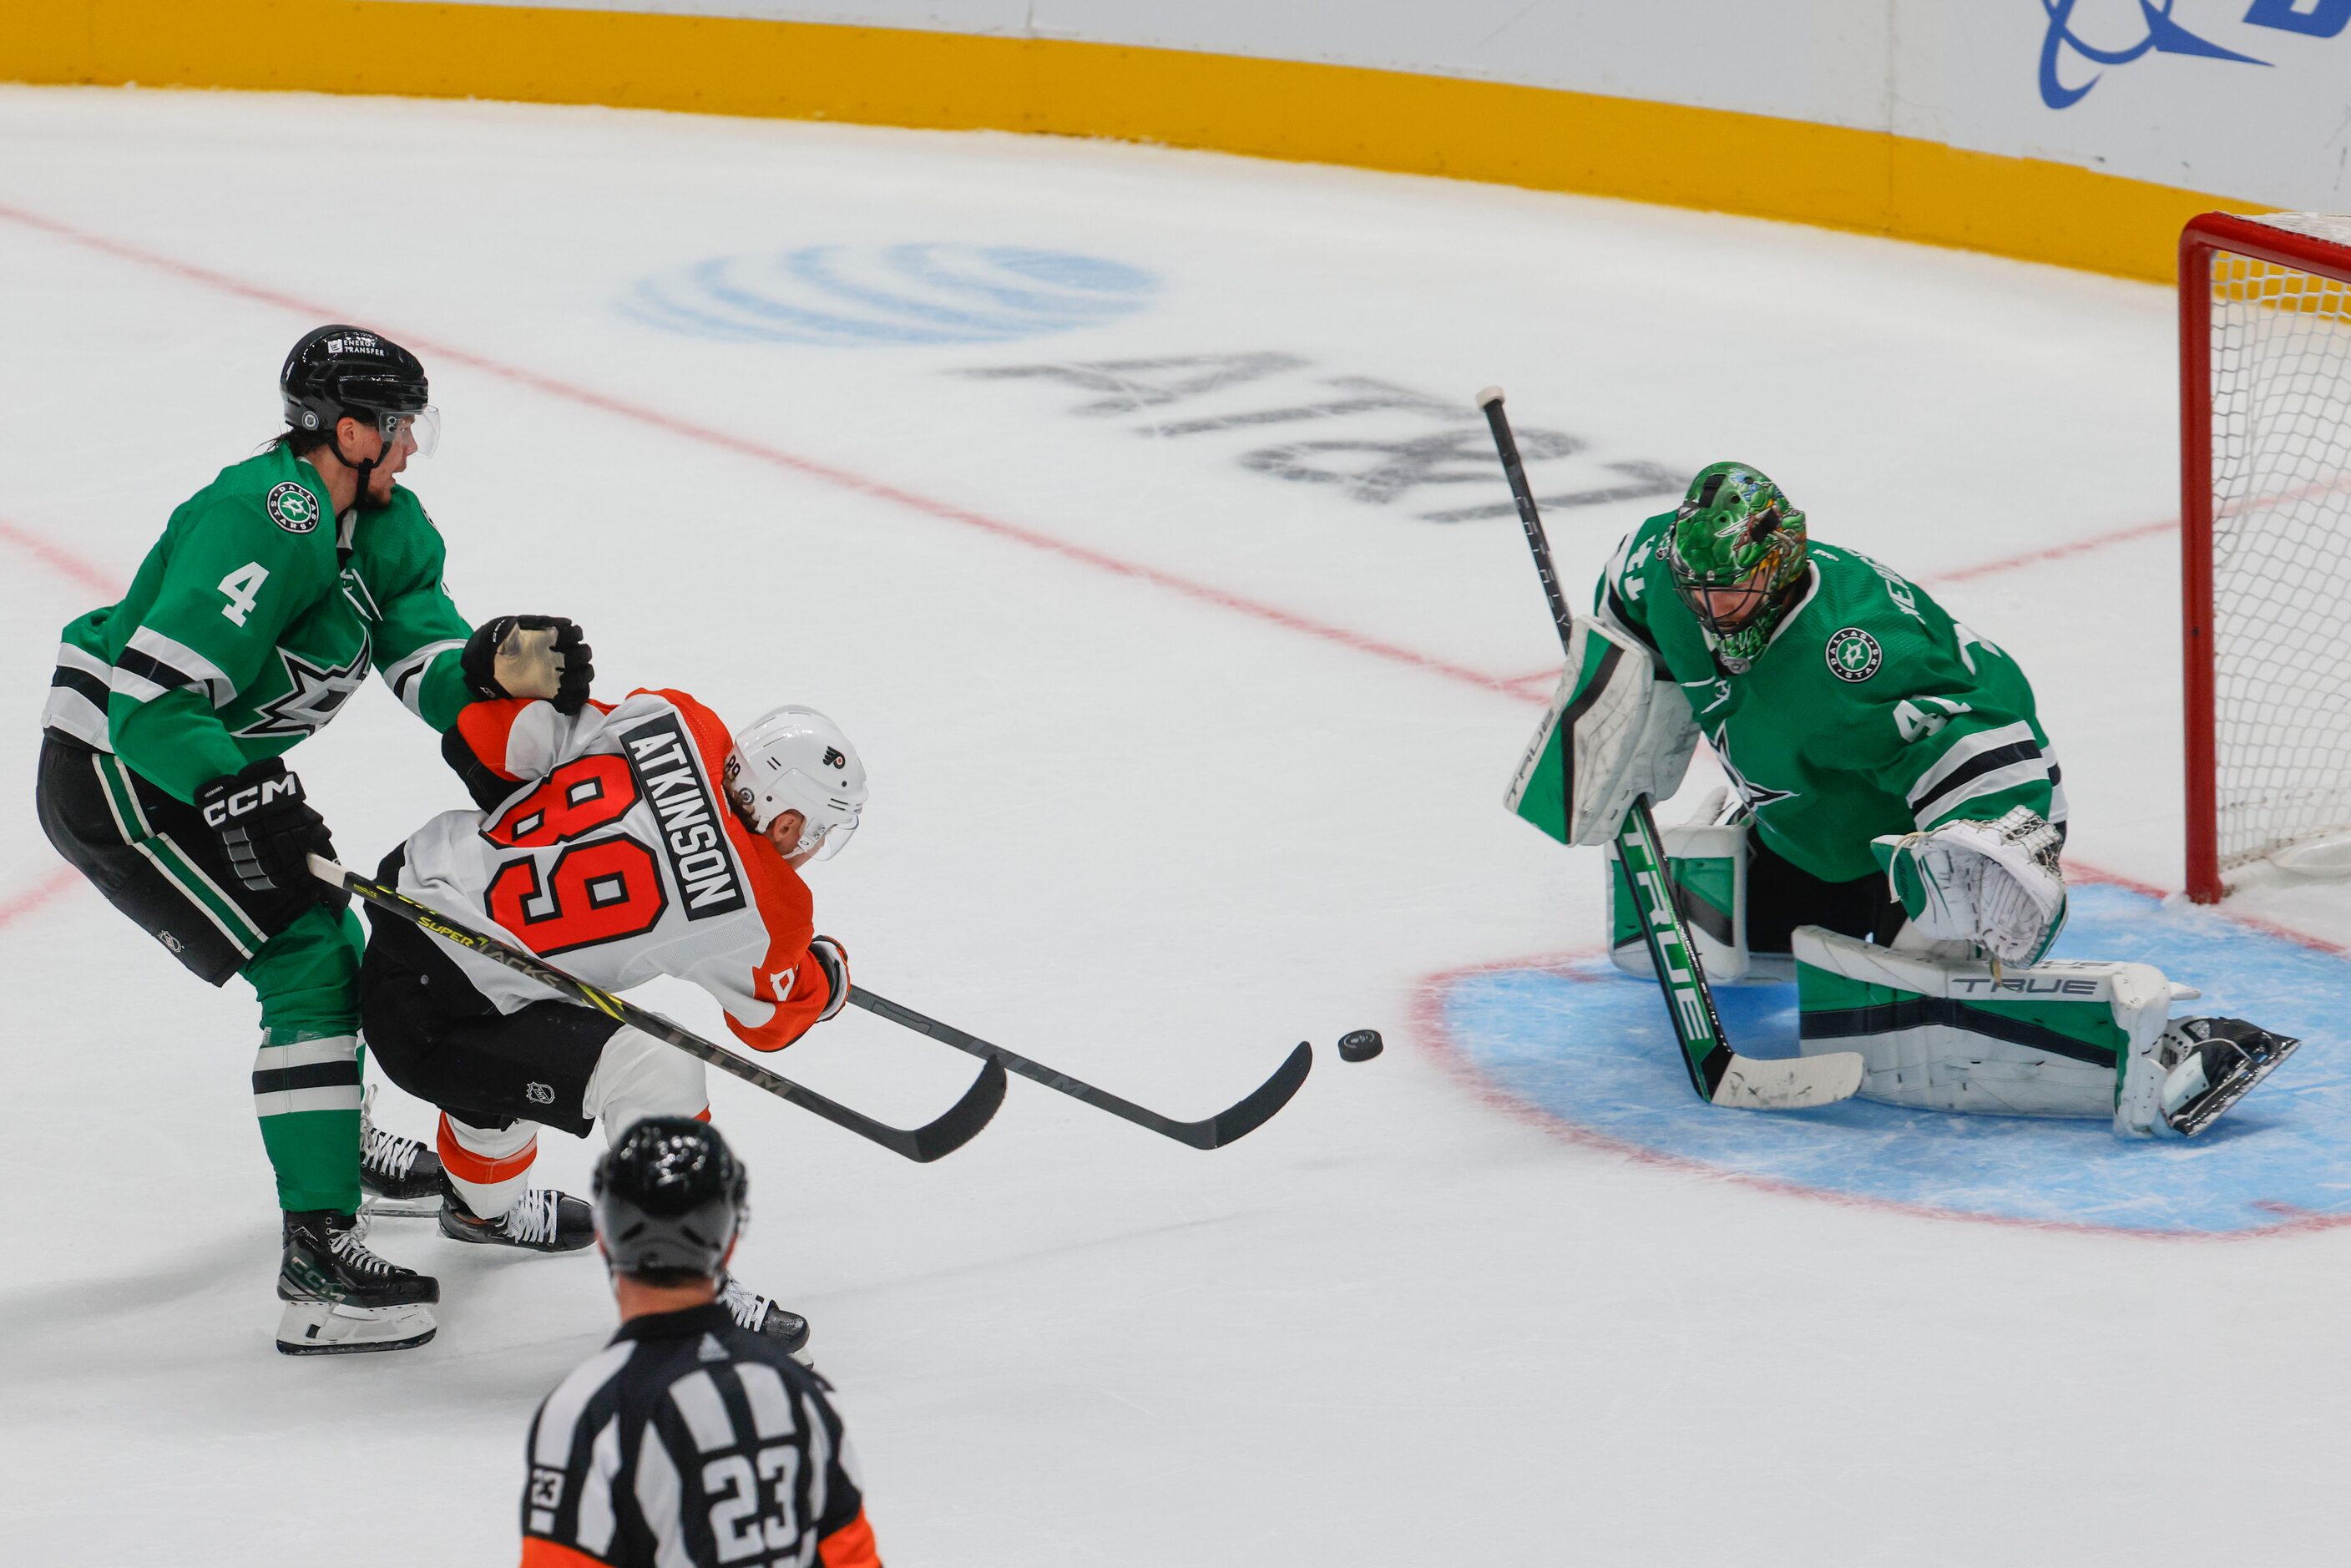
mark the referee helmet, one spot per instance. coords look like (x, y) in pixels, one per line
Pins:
(671, 1199)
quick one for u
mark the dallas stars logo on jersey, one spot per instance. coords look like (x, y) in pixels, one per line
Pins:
(1853, 654)
(1756, 796)
(317, 692)
(292, 507)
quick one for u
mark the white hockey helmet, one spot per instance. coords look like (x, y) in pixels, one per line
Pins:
(795, 759)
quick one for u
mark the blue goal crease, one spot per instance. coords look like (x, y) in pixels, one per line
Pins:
(1589, 1046)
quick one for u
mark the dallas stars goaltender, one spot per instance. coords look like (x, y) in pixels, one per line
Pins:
(1901, 816)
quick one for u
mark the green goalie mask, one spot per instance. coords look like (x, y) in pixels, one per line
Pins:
(1738, 557)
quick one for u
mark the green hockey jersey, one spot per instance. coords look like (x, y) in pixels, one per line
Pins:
(252, 621)
(1871, 711)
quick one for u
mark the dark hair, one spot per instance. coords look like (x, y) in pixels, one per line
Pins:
(301, 442)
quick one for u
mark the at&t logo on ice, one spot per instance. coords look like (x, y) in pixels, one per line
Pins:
(849, 296)
(2084, 34)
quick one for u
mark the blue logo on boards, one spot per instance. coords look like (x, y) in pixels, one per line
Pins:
(2063, 45)
(1588, 1048)
(845, 295)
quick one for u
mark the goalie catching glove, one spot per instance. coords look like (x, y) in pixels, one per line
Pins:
(1615, 732)
(1997, 885)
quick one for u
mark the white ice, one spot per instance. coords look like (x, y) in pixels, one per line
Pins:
(1150, 834)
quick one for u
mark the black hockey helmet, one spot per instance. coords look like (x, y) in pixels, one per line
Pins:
(670, 1194)
(340, 370)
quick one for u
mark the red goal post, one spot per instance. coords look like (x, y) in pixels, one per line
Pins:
(2265, 542)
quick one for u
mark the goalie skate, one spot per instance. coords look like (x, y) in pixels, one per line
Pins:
(2214, 1063)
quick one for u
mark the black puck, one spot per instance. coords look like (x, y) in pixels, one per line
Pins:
(1359, 1045)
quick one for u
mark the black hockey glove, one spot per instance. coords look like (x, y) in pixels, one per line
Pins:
(833, 959)
(268, 830)
(579, 668)
(489, 787)
(540, 656)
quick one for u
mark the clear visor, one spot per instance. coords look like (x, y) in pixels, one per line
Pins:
(423, 429)
(822, 840)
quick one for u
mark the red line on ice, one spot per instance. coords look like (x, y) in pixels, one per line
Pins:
(1205, 594)
(1961, 574)
(2053, 552)
(945, 511)
(50, 553)
(1428, 1025)
(39, 893)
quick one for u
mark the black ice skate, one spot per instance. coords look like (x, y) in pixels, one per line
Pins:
(397, 1175)
(760, 1314)
(340, 1298)
(541, 1219)
(2214, 1063)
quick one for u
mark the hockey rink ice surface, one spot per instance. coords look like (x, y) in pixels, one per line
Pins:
(1128, 508)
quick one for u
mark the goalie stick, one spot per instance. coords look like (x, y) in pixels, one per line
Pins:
(949, 1133)
(1719, 1074)
(1235, 1120)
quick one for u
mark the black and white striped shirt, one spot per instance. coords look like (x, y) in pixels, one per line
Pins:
(689, 1441)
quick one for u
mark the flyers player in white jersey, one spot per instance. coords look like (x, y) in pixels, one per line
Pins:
(630, 841)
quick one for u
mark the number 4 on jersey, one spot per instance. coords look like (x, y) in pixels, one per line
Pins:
(243, 586)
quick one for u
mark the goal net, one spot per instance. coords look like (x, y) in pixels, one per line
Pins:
(2265, 355)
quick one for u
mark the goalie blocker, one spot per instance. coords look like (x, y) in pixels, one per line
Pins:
(1617, 730)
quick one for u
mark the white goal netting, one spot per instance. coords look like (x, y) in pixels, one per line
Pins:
(2281, 453)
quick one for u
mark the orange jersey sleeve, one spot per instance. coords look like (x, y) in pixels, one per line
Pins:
(514, 737)
(488, 729)
(791, 986)
(850, 1546)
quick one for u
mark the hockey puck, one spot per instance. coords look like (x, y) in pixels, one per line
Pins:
(1359, 1045)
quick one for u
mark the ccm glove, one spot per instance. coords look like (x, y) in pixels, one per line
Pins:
(833, 959)
(267, 828)
(545, 657)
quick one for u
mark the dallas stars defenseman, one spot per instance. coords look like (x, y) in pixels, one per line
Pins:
(1900, 819)
(604, 841)
(250, 622)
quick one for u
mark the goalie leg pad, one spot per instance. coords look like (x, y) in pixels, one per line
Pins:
(2058, 1039)
(1710, 873)
(1615, 732)
(1740, 902)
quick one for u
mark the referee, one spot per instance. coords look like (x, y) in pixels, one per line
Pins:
(688, 1439)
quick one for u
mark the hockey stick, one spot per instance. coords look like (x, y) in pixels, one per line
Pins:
(1719, 1074)
(958, 1126)
(1235, 1120)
